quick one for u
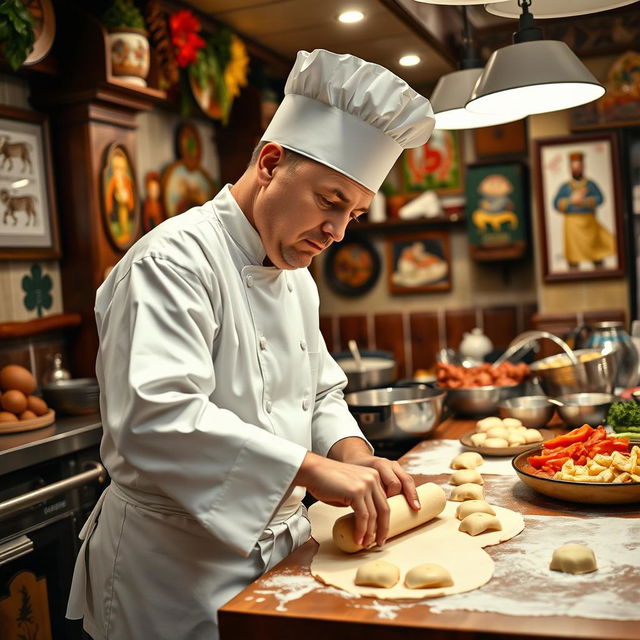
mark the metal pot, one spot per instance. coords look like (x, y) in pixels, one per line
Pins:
(397, 413)
(379, 369)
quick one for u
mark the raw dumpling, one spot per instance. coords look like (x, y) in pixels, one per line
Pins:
(511, 423)
(426, 576)
(486, 423)
(467, 491)
(477, 439)
(377, 573)
(532, 435)
(495, 443)
(463, 476)
(516, 438)
(498, 432)
(478, 523)
(467, 460)
(473, 506)
(573, 558)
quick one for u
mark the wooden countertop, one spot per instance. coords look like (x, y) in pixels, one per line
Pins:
(321, 614)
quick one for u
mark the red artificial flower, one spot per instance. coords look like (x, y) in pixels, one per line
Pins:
(184, 36)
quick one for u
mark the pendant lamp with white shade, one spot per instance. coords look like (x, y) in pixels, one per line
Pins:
(554, 8)
(452, 92)
(533, 74)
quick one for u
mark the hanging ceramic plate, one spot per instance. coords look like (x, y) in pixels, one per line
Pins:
(352, 266)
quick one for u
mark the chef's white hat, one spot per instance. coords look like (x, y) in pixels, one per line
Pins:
(351, 115)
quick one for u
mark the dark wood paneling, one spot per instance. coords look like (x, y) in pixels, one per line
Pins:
(500, 325)
(528, 311)
(605, 315)
(425, 339)
(457, 321)
(560, 324)
(354, 328)
(326, 329)
(389, 334)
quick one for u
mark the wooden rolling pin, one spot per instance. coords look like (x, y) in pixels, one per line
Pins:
(401, 516)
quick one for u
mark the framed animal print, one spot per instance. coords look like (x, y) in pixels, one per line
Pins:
(28, 220)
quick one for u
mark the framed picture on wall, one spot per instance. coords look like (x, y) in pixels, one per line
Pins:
(496, 206)
(580, 208)
(28, 221)
(419, 262)
(436, 165)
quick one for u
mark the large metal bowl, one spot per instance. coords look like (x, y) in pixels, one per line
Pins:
(481, 401)
(533, 411)
(597, 375)
(77, 396)
(397, 413)
(585, 408)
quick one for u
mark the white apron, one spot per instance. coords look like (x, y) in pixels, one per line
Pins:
(215, 382)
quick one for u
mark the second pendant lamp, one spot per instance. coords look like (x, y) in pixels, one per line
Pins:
(533, 75)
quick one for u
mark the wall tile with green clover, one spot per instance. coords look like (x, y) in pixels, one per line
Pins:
(37, 288)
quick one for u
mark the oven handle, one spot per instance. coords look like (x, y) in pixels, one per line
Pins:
(13, 549)
(96, 472)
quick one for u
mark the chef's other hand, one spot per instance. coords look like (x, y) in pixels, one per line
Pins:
(349, 485)
(394, 478)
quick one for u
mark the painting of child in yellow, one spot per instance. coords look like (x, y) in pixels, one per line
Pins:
(120, 200)
(585, 239)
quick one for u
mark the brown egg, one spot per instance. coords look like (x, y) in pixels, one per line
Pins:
(37, 405)
(28, 415)
(14, 401)
(5, 416)
(13, 376)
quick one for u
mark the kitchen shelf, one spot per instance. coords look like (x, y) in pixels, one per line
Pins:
(9, 330)
(396, 224)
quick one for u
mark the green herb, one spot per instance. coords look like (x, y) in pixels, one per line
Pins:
(624, 414)
(123, 13)
(16, 32)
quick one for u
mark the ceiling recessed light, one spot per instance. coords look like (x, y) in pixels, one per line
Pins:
(409, 61)
(349, 17)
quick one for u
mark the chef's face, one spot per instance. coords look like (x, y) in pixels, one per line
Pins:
(302, 206)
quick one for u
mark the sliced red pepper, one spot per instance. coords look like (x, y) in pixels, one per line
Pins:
(609, 446)
(581, 434)
(598, 434)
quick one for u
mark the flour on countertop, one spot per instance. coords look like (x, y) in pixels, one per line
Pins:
(522, 569)
(435, 456)
(288, 586)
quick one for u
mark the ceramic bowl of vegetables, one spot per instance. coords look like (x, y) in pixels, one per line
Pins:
(624, 419)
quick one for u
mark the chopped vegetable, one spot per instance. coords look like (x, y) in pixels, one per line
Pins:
(577, 435)
(624, 414)
(632, 435)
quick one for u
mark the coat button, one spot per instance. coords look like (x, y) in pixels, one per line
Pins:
(249, 281)
(263, 343)
(305, 403)
(303, 345)
(268, 406)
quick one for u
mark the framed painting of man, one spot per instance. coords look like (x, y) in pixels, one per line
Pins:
(28, 220)
(579, 207)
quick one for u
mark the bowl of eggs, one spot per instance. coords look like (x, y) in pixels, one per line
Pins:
(20, 408)
(494, 436)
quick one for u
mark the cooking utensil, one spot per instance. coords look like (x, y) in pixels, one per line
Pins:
(397, 413)
(596, 375)
(611, 336)
(525, 339)
(481, 401)
(584, 492)
(376, 369)
(532, 411)
(584, 408)
(355, 352)
(76, 396)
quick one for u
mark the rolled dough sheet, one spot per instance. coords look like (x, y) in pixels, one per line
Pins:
(436, 541)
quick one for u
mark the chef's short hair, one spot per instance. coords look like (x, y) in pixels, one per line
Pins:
(292, 158)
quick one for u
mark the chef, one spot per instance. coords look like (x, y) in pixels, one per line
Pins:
(220, 403)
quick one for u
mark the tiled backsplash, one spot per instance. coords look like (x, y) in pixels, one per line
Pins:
(415, 337)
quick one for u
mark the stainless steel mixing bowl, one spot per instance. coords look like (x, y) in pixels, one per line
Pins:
(481, 401)
(597, 375)
(397, 413)
(532, 411)
(584, 408)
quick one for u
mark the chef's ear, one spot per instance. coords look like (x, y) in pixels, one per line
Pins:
(271, 157)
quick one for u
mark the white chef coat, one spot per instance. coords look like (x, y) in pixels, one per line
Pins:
(215, 382)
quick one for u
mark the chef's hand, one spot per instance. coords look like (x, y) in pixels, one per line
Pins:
(394, 478)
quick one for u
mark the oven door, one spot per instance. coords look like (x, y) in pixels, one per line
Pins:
(35, 578)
